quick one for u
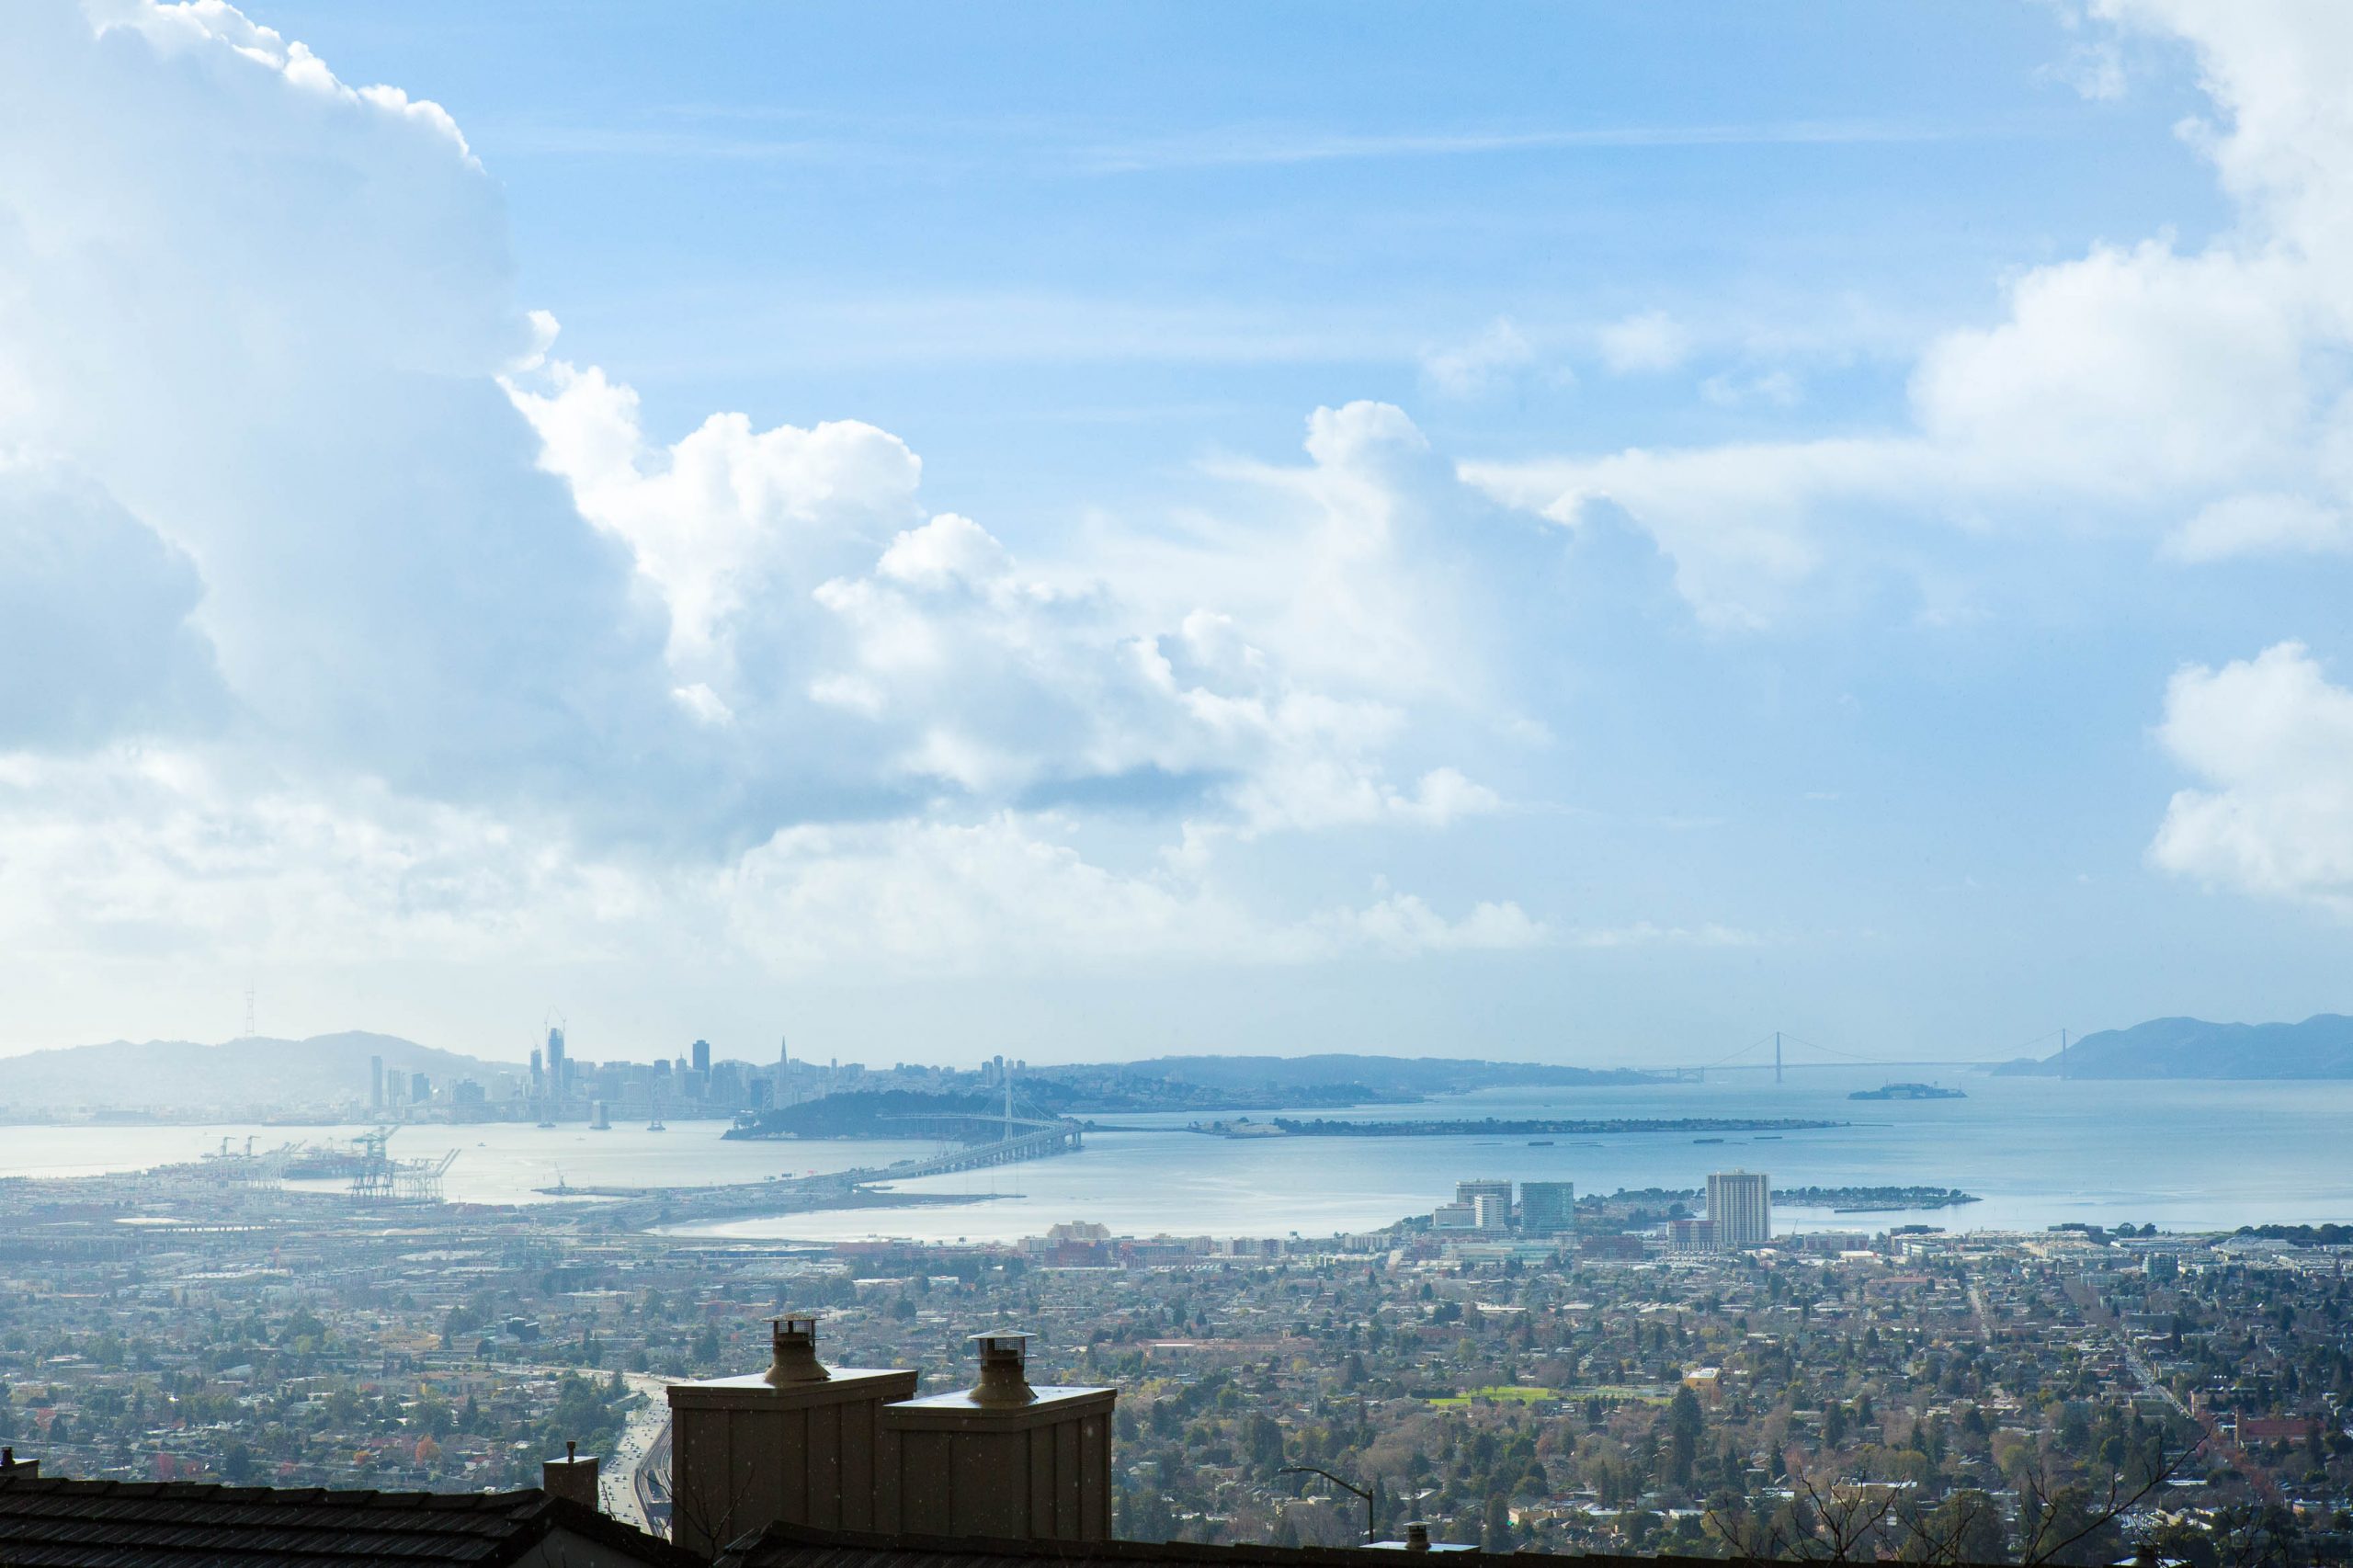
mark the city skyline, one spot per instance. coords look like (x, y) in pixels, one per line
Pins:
(1064, 540)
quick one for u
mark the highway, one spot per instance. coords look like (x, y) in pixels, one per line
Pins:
(638, 1472)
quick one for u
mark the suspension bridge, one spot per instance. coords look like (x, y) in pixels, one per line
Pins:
(1781, 1053)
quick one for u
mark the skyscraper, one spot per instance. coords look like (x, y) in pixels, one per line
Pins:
(376, 1083)
(702, 1055)
(1740, 1205)
(1548, 1208)
(555, 1065)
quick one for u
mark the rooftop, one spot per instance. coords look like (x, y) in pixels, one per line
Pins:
(53, 1522)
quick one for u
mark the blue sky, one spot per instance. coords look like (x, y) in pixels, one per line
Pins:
(1576, 533)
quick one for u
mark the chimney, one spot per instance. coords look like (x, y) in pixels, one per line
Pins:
(793, 1354)
(571, 1477)
(1004, 1370)
(794, 1443)
(1417, 1537)
(1003, 1458)
(11, 1465)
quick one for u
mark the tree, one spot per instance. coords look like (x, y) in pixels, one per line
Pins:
(1683, 1424)
(1496, 1534)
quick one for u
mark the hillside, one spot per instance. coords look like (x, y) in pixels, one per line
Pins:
(176, 1073)
(1389, 1075)
(2320, 1047)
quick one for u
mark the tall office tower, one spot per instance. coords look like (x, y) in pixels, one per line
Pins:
(1548, 1208)
(702, 1055)
(555, 1064)
(538, 1076)
(1740, 1205)
(420, 1088)
(375, 1082)
(1471, 1191)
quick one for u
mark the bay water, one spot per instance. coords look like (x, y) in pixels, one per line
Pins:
(2037, 1151)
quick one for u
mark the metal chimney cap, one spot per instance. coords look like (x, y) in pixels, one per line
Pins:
(1003, 1380)
(793, 1357)
(1417, 1537)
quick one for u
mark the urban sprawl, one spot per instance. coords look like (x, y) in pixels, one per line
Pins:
(1645, 1372)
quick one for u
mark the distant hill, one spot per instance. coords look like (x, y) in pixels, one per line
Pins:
(2320, 1047)
(123, 1074)
(1412, 1076)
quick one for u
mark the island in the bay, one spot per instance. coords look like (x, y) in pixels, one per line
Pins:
(1909, 1092)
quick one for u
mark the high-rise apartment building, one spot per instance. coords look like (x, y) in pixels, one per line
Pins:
(1686, 1237)
(1548, 1208)
(1740, 1207)
(376, 1083)
(1471, 1191)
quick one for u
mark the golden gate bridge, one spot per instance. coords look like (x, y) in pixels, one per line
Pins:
(1782, 1052)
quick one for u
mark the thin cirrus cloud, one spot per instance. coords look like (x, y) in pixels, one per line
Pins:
(1245, 146)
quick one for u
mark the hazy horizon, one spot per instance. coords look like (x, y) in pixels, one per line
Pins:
(1567, 536)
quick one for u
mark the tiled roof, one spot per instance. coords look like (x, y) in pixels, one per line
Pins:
(57, 1523)
(794, 1546)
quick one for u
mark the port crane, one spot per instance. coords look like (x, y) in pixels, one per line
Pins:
(382, 1180)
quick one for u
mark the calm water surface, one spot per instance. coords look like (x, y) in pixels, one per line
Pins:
(2205, 1156)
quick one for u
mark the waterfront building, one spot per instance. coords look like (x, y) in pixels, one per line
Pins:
(1740, 1204)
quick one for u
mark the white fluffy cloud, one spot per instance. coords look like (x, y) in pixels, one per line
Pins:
(143, 854)
(2201, 395)
(2271, 739)
(338, 616)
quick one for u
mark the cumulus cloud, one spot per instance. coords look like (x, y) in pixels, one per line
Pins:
(2270, 740)
(147, 853)
(2199, 395)
(2260, 524)
(95, 633)
(340, 613)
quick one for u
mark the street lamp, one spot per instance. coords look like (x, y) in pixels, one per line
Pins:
(1369, 1527)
